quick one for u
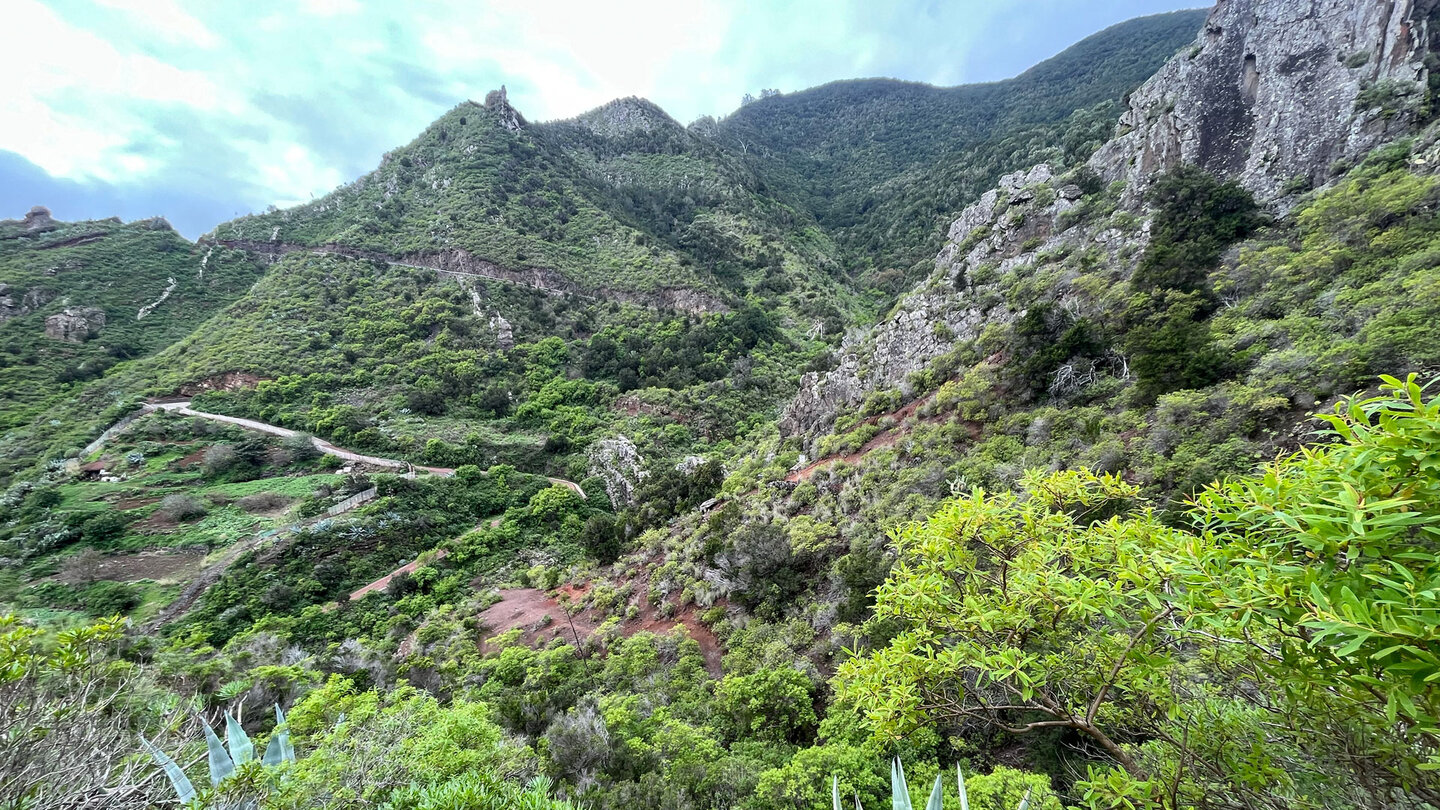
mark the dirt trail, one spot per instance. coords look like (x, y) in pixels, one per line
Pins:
(325, 447)
(887, 439)
(384, 582)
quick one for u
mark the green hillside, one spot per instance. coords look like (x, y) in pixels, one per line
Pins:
(121, 270)
(884, 165)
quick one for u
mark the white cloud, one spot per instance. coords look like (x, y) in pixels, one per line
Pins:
(166, 19)
(273, 100)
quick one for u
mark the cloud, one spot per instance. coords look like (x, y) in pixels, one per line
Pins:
(235, 106)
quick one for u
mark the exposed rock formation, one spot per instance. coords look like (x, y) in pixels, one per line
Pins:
(504, 334)
(690, 464)
(38, 218)
(1275, 92)
(498, 101)
(170, 286)
(75, 324)
(617, 462)
(463, 263)
(1007, 227)
(28, 302)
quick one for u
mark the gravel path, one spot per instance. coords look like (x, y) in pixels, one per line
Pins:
(325, 447)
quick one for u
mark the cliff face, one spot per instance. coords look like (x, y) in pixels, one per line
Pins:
(1277, 94)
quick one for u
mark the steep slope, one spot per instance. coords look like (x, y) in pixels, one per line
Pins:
(694, 196)
(1168, 330)
(1185, 115)
(482, 192)
(77, 298)
(881, 162)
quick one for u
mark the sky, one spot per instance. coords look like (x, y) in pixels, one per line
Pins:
(203, 110)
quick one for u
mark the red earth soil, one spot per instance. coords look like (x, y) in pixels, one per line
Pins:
(527, 609)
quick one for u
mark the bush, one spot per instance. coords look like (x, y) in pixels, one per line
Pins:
(218, 458)
(110, 598)
(182, 507)
(301, 447)
(263, 502)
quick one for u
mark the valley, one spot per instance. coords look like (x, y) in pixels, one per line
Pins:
(1077, 433)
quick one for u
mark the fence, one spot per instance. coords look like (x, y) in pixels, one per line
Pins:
(350, 502)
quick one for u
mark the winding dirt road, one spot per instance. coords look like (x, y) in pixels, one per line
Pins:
(323, 446)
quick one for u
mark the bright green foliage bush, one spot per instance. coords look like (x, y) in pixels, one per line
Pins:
(1339, 547)
(363, 746)
(772, 704)
(1308, 587)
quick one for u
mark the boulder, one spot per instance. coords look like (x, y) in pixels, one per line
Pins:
(75, 324)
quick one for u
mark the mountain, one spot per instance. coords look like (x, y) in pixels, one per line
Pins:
(670, 463)
(76, 298)
(883, 164)
(533, 229)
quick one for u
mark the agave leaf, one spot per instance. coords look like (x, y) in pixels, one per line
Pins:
(899, 791)
(857, 802)
(222, 767)
(937, 798)
(835, 791)
(1025, 802)
(279, 749)
(960, 780)
(241, 749)
(184, 790)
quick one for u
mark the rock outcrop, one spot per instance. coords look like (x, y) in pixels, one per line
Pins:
(1276, 92)
(27, 302)
(75, 324)
(39, 219)
(618, 463)
(461, 262)
(504, 333)
(1009, 227)
(498, 102)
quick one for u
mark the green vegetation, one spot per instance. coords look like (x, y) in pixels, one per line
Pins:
(1301, 603)
(886, 165)
(1084, 556)
(117, 269)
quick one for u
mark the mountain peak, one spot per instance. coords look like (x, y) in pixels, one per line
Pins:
(498, 102)
(626, 116)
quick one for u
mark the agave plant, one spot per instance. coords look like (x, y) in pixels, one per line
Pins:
(900, 791)
(223, 762)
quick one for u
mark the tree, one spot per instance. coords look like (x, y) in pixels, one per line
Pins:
(70, 711)
(773, 704)
(1328, 565)
(1026, 611)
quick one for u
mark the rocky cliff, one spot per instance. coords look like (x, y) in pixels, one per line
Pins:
(1277, 94)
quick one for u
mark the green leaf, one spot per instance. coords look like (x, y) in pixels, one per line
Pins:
(835, 791)
(184, 790)
(1025, 802)
(937, 798)
(899, 791)
(241, 749)
(960, 780)
(279, 749)
(221, 766)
